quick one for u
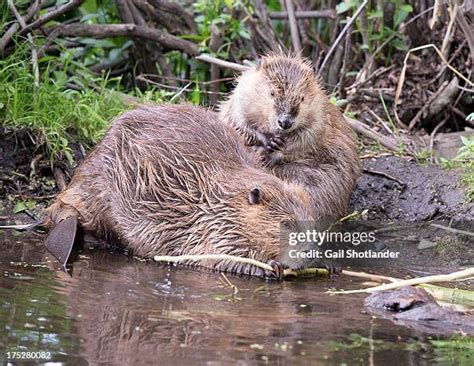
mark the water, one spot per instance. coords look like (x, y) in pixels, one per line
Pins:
(117, 310)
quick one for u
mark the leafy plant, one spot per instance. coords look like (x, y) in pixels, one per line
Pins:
(465, 160)
(376, 16)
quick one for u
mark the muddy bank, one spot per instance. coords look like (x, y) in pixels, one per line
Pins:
(395, 188)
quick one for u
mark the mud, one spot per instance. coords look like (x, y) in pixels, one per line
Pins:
(411, 192)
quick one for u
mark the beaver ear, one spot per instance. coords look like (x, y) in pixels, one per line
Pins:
(255, 196)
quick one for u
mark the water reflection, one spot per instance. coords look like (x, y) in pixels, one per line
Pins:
(118, 310)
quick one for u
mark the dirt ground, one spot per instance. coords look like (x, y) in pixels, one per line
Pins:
(406, 190)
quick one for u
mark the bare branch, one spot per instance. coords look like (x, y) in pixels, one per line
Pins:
(168, 41)
(229, 65)
(51, 15)
(295, 37)
(330, 13)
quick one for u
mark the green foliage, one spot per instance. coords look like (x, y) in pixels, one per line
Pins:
(465, 160)
(57, 114)
(458, 350)
(220, 13)
(22, 206)
(376, 16)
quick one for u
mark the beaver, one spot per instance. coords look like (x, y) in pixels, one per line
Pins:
(280, 109)
(173, 180)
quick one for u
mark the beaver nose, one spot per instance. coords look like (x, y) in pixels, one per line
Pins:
(285, 123)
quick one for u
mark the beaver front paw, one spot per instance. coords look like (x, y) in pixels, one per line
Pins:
(274, 143)
(277, 273)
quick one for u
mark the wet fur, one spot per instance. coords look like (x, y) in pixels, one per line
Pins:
(319, 151)
(173, 180)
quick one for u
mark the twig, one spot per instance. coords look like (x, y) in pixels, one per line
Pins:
(385, 175)
(369, 276)
(341, 35)
(308, 14)
(411, 282)
(403, 72)
(433, 134)
(453, 10)
(425, 106)
(453, 230)
(180, 258)
(181, 91)
(295, 38)
(229, 65)
(342, 74)
(15, 227)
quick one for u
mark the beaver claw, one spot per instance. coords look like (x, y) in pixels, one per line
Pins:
(275, 143)
(277, 273)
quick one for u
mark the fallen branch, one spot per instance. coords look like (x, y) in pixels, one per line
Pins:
(364, 130)
(126, 30)
(51, 15)
(329, 13)
(229, 65)
(469, 272)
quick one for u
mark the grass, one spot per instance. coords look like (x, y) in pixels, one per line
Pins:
(54, 113)
(464, 160)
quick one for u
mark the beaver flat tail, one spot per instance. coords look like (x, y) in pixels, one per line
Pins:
(60, 240)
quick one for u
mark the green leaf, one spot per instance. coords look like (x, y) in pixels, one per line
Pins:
(200, 19)
(20, 206)
(399, 44)
(345, 6)
(406, 8)
(375, 15)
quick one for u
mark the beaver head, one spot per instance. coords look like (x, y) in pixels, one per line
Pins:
(281, 95)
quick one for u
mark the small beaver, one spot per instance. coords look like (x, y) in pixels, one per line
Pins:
(281, 109)
(173, 180)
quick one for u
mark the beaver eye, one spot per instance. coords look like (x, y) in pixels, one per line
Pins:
(272, 93)
(302, 99)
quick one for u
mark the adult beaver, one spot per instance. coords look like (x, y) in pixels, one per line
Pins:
(281, 109)
(173, 180)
